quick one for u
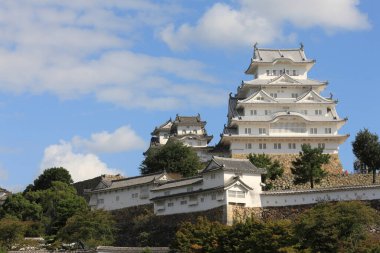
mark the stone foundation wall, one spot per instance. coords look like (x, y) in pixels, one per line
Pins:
(334, 166)
(275, 213)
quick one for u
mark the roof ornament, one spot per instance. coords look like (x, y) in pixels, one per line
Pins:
(230, 94)
(331, 96)
(255, 45)
(301, 46)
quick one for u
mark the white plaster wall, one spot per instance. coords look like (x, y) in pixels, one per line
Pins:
(162, 138)
(110, 201)
(189, 129)
(239, 147)
(200, 205)
(301, 70)
(209, 182)
(176, 190)
(290, 199)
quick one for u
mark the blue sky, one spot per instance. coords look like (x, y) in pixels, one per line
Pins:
(83, 83)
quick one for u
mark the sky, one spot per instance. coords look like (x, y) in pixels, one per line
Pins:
(83, 83)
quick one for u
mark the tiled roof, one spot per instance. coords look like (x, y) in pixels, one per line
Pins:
(233, 164)
(260, 81)
(356, 187)
(132, 181)
(270, 55)
(189, 120)
(179, 183)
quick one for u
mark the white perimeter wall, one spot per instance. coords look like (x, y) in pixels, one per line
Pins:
(312, 197)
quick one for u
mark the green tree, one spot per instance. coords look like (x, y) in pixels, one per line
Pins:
(93, 228)
(59, 203)
(366, 148)
(257, 236)
(333, 227)
(45, 180)
(203, 236)
(12, 231)
(273, 168)
(18, 206)
(308, 166)
(172, 157)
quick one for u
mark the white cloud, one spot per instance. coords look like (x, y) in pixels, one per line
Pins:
(79, 155)
(262, 21)
(75, 48)
(81, 166)
(122, 139)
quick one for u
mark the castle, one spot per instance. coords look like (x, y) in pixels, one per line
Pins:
(275, 113)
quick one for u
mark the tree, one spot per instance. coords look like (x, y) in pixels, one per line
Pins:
(93, 228)
(12, 231)
(58, 203)
(335, 227)
(203, 236)
(366, 148)
(44, 181)
(257, 236)
(308, 166)
(273, 168)
(18, 206)
(172, 157)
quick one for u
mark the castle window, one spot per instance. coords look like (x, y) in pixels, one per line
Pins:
(273, 95)
(295, 72)
(318, 112)
(292, 146)
(321, 145)
(294, 95)
(274, 72)
(212, 176)
(287, 71)
(268, 72)
(328, 130)
(213, 196)
(165, 136)
(183, 202)
(183, 131)
(262, 146)
(247, 130)
(304, 112)
(277, 145)
(194, 131)
(280, 72)
(267, 112)
(117, 198)
(236, 194)
(248, 146)
(262, 130)
(313, 130)
(170, 204)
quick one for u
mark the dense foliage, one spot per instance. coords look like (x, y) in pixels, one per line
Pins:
(274, 168)
(308, 166)
(172, 157)
(327, 227)
(49, 206)
(45, 180)
(90, 227)
(366, 148)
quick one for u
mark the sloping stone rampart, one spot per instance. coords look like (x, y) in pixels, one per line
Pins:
(334, 166)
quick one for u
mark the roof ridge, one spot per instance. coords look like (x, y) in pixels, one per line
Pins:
(147, 175)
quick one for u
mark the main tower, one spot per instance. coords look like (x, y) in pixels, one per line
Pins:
(281, 108)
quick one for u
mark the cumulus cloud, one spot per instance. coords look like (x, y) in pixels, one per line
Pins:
(122, 139)
(81, 166)
(79, 156)
(262, 21)
(76, 48)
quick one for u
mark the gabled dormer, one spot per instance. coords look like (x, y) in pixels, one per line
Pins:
(313, 97)
(258, 97)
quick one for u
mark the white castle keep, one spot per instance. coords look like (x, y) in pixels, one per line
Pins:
(281, 108)
(275, 113)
